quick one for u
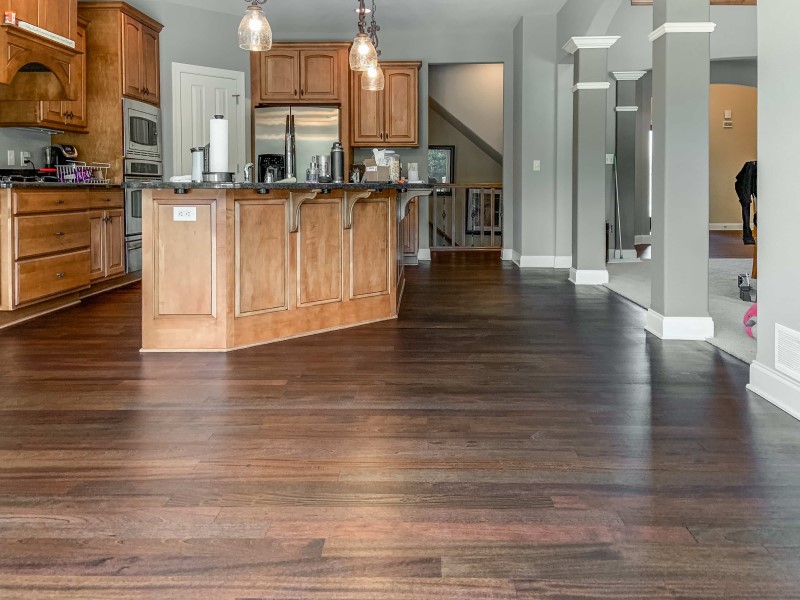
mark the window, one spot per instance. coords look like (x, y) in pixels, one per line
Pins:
(441, 166)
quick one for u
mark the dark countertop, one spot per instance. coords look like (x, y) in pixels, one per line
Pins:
(32, 185)
(369, 185)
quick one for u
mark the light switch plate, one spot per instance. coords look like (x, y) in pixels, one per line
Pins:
(184, 213)
(12, 158)
(609, 159)
(537, 165)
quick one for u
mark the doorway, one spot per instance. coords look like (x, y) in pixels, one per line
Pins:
(199, 93)
(465, 156)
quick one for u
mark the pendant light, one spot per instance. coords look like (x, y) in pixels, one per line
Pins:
(255, 33)
(373, 80)
(362, 53)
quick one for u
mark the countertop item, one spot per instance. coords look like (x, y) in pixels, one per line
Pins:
(57, 184)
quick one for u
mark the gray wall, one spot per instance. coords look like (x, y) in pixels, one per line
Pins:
(473, 165)
(22, 140)
(779, 209)
(735, 71)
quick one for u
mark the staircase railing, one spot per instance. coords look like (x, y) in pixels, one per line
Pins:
(466, 216)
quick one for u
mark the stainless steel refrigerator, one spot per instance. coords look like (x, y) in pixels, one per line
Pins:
(316, 130)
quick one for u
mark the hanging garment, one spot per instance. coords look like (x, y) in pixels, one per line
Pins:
(747, 189)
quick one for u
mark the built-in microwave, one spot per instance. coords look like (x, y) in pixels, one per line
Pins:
(142, 123)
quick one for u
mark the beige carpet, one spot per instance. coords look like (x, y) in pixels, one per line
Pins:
(632, 280)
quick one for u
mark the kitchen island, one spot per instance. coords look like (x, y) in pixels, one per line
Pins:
(228, 266)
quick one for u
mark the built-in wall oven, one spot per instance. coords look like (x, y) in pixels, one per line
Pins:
(141, 171)
(142, 124)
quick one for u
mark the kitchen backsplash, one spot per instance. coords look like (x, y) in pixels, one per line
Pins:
(22, 140)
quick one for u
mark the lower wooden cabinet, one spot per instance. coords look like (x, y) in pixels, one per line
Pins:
(107, 235)
(44, 277)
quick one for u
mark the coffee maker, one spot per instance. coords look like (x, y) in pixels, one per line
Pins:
(272, 163)
(59, 155)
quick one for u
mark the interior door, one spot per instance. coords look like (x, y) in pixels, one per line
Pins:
(132, 82)
(202, 93)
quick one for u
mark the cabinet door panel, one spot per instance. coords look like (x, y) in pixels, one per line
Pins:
(49, 234)
(97, 247)
(279, 74)
(319, 75)
(367, 115)
(151, 77)
(115, 243)
(132, 82)
(50, 276)
(75, 111)
(369, 249)
(27, 10)
(59, 17)
(261, 257)
(400, 98)
(319, 253)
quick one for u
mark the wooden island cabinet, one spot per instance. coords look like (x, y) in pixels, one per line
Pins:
(227, 268)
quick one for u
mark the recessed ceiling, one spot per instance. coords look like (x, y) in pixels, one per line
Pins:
(306, 16)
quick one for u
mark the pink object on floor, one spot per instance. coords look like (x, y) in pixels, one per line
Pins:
(751, 321)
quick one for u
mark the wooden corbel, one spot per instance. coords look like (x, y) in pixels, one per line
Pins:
(296, 200)
(405, 198)
(350, 201)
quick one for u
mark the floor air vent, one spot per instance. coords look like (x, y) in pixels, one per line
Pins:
(787, 351)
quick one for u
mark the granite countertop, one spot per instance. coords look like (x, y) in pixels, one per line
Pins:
(369, 185)
(32, 185)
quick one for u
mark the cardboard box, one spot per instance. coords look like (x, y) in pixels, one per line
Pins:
(375, 173)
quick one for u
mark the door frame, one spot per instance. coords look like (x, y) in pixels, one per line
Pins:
(241, 111)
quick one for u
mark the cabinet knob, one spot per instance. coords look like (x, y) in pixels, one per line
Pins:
(59, 233)
(59, 202)
(60, 275)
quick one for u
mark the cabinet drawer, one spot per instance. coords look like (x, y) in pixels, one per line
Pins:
(41, 202)
(106, 199)
(50, 234)
(45, 277)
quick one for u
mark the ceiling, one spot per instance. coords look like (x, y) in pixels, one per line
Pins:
(302, 16)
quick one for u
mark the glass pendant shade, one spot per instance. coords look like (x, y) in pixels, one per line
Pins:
(373, 80)
(255, 33)
(363, 53)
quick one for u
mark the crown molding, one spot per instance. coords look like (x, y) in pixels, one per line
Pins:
(628, 75)
(682, 28)
(590, 43)
(591, 85)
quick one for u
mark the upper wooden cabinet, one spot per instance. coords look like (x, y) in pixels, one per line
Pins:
(391, 117)
(57, 16)
(140, 61)
(300, 73)
(63, 115)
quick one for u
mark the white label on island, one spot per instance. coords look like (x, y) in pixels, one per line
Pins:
(184, 213)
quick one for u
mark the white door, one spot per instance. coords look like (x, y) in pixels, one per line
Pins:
(199, 93)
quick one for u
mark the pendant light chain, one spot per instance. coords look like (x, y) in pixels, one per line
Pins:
(373, 30)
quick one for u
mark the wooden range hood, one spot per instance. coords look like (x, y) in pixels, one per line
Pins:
(35, 68)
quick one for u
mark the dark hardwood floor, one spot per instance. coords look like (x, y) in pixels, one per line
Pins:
(510, 436)
(728, 244)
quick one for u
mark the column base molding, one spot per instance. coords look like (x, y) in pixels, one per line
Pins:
(680, 328)
(776, 388)
(585, 277)
(563, 262)
(424, 254)
(542, 262)
(508, 254)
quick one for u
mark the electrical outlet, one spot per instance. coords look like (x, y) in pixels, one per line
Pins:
(184, 213)
(537, 165)
(12, 158)
(24, 156)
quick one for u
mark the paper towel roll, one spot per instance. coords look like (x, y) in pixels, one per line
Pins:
(218, 155)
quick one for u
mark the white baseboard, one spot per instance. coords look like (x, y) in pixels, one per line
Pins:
(424, 254)
(623, 255)
(776, 388)
(680, 328)
(584, 277)
(726, 226)
(508, 254)
(563, 262)
(642, 240)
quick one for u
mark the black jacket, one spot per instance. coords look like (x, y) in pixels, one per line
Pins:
(747, 182)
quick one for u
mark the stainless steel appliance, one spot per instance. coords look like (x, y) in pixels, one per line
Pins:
(142, 124)
(143, 171)
(275, 164)
(316, 128)
(59, 155)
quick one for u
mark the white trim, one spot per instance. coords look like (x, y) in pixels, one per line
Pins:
(726, 226)
(775, 388)
(584, 277)
(536, 262)
(623, 255)
(424, 254)
(642, 240)
(508, 254)
(666, 28)
(591, 85)
(628, 75)
(178, 150)
(596, 42)
(627, 109)
(563, 262)
(679, 328)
